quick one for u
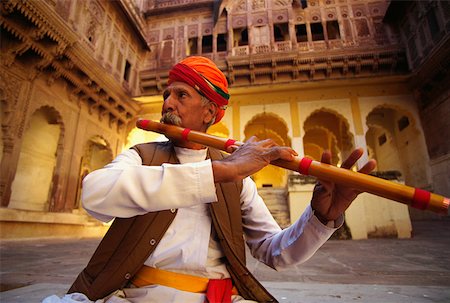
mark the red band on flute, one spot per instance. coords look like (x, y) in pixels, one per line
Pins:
(185, 134)
(229, 143)
(304, 165)
(420, 199)
(143, 123)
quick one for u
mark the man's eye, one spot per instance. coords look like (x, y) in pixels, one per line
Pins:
(166, 95)
(182, 95)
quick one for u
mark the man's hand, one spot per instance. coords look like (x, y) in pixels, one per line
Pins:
(249, 158)
(330, 200)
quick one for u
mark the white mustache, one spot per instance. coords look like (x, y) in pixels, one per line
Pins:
(170, 118)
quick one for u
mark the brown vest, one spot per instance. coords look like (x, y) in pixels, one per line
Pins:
(130, 241)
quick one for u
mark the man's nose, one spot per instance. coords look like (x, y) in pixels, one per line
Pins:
(169, 102)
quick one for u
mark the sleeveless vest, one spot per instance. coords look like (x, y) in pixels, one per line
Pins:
(130, 241)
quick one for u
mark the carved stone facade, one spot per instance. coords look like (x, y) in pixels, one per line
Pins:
(424, 28)
(68, 71)
(266, 42)
(314, 75)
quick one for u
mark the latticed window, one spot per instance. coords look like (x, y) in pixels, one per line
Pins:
(207, 46)
(333, 30)
(317, 31)
(300, 32)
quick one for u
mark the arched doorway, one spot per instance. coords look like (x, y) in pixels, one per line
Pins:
(269, 126)
(219, 130)
(327, 130)
(32, 183)
(318, 139)
(97, 153)
(137, 136)
(397, 144)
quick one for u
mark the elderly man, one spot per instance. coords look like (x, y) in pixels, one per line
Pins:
(183, 213)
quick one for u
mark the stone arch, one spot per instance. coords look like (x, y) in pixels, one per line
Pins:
(219, 129)
(331, 130)
(268, 121)
(396, 141)
(313, 150)
(137, 135)
(96, 154)
(269, 126)
(39, 161)
(318, 139)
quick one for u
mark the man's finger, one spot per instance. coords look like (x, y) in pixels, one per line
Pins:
(326, 157)
(368, 167)
(232, 148)
(351, 160)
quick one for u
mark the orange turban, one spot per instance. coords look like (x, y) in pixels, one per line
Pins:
(203, 75)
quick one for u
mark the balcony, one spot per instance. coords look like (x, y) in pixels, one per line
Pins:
(241, 51)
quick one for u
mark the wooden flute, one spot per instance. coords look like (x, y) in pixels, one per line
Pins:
(415, 197)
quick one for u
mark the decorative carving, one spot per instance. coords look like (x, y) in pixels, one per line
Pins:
(38, 33)
(168, 33)
(241, 6)
(181, 32)
(280, 16)
(153, 36)
(282, 2)
(239, 21)
(63, 9)
(43, 63)
(95, 17)
(362, 28)
(258, 4)
(9, 96)
(207, 28)
(17, 50)
(359, 11)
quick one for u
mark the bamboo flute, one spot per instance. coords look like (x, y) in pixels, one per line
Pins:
(415, 197)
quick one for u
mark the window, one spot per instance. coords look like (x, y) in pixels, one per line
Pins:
(221, 42)
(127, 71)
(207, 46)
(244, 37)
(241, 36)
(403, 123)
(317, 31)
(192, 46)
(300, 32)
(433, 23)
(382, 139)
(281, 32)
(333, 30)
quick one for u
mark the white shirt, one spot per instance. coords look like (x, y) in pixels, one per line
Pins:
(126, 188)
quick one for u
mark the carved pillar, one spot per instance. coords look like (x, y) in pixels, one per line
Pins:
(230, 42)
(10, 92)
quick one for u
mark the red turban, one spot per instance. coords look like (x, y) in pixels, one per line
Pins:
(203, 75)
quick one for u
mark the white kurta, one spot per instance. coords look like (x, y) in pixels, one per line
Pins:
(126, 188)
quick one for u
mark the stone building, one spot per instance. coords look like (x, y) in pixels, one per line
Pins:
(314, 75)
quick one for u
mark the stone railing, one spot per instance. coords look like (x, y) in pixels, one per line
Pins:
(241, 51)
(261, 49)
(283, 46)
(297, 179)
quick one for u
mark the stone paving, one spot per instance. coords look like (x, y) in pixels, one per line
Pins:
(374, 270)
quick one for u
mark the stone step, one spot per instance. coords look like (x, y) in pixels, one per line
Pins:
(277, 203)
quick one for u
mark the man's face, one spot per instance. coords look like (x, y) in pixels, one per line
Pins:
(183, 107)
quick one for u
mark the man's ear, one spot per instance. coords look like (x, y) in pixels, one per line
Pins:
(212, 109)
